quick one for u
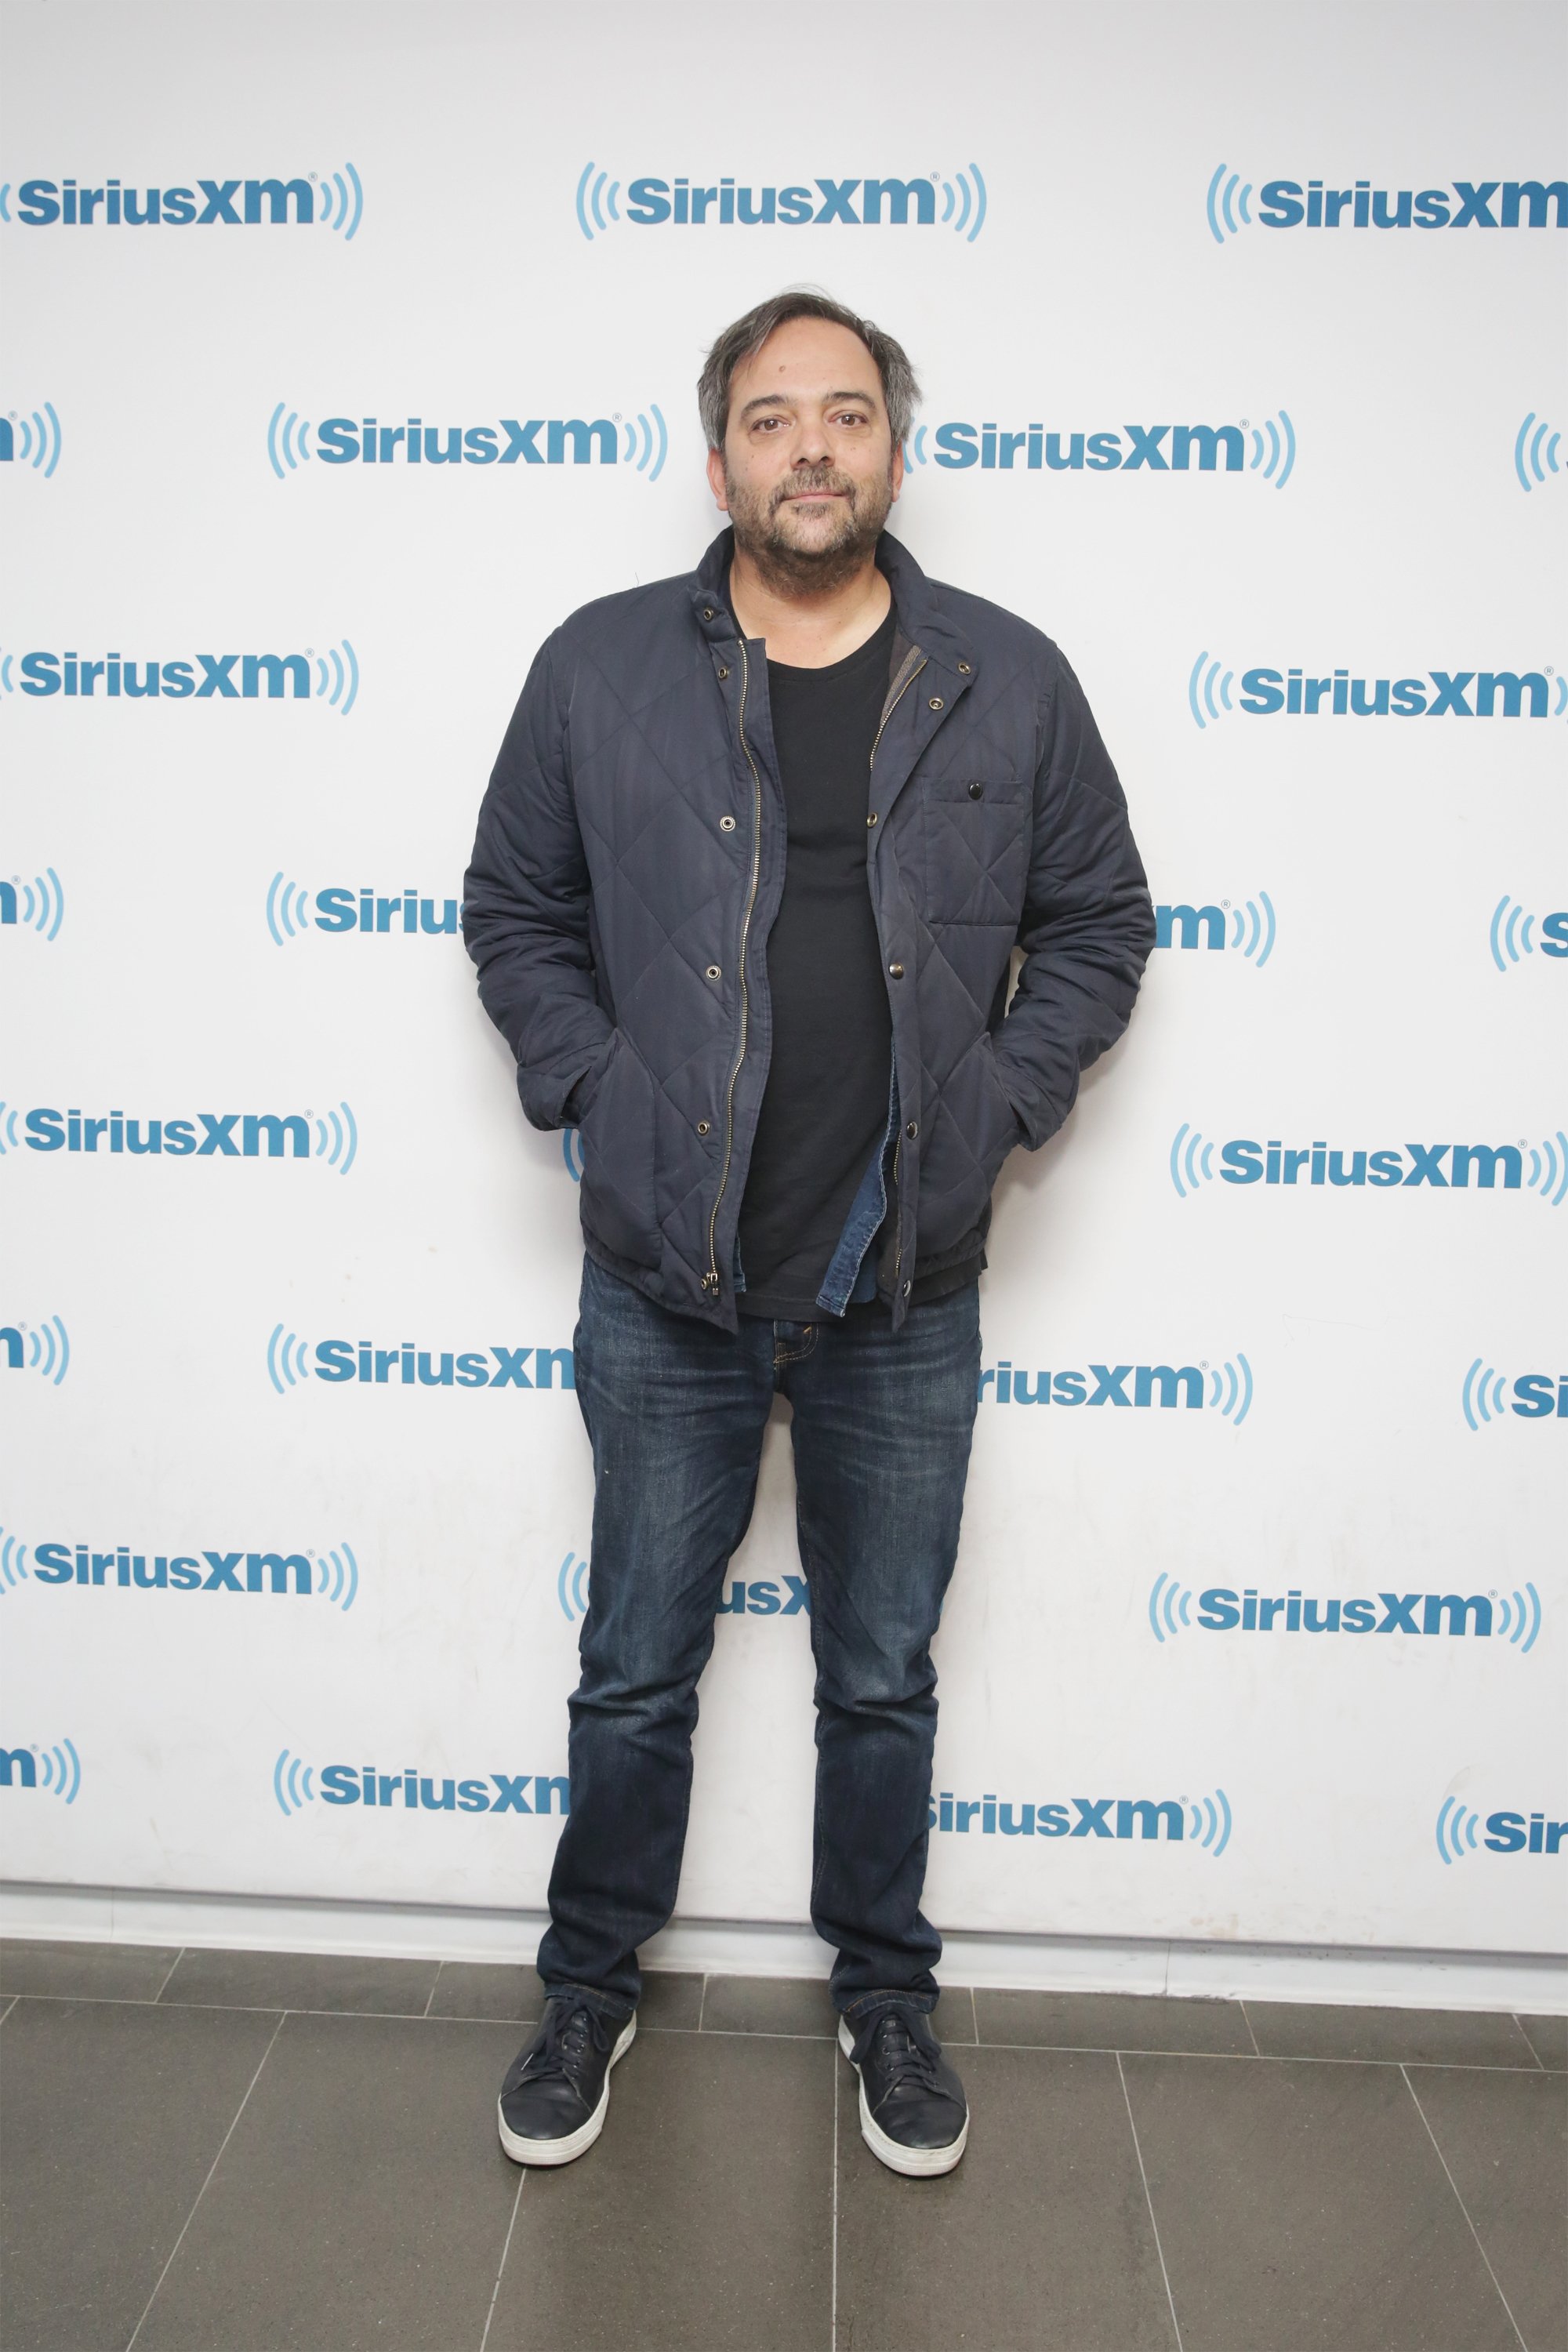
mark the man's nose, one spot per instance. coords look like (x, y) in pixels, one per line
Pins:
(810, 445)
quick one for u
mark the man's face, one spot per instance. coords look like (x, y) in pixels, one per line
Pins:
(809, 469)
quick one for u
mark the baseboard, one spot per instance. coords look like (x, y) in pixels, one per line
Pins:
(1536, 1983)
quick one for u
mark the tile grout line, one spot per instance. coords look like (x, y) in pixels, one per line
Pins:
(205, 2185)
(833, 2334)
(701, 2004)
(1071, 2049)
(173, 1964)
(974, 2015)
(1250, 2034)
(1148, 2200)
(434, 1982)
(506, 2248)
(1528, 2043)
(10, 2005)
(1466, 2212)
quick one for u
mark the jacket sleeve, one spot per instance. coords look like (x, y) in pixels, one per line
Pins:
(1087, 925)
(525, 908)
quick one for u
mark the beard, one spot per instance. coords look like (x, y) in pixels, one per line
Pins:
(808, 550)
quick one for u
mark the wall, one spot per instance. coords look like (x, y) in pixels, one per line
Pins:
(1364, 1412)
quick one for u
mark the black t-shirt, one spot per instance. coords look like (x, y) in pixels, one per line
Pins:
(826, 1105)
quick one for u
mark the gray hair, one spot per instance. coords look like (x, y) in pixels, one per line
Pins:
(743, 340)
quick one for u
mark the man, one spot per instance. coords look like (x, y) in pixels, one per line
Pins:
(749, 872)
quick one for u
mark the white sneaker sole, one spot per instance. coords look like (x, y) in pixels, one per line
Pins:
(577, 2143)
(915, 2163)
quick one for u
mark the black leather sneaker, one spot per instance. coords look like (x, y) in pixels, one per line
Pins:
(913, 2114)
(556, 2093)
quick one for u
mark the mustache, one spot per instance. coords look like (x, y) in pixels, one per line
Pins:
(813, 477)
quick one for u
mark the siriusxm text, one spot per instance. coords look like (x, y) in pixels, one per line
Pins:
(343, 909)
(1136, 1385)
(1223, 1611)
(207, 1571)
(1243, 1162)
(1511, 1833)
(228, 204)
(1461, 204)
(205, 677)
(1134, 449)
(568, 441)
(1440, 694)
(1075, 1817)
(412, 1791)
(652, 202)
(407, 1366)
(205, 1134)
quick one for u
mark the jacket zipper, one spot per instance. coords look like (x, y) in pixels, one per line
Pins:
(710, 1279)
(897, 1140)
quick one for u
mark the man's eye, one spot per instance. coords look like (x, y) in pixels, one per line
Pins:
(851, 416)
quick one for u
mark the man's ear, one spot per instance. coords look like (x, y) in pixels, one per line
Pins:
(716, 480)
(896, 470)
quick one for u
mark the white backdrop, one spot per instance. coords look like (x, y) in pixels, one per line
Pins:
(1373, 1408)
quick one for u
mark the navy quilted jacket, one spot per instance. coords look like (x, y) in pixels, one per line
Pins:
(630, 859)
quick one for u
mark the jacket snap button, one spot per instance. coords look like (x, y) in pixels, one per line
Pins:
(976, 791)
(713, 971)
(722, 671)
(707, 611)
(965, 668)
(936, 702)
(726, 825)
(702, 1127)
(912, 1129)
(872, 818)
(895, 972)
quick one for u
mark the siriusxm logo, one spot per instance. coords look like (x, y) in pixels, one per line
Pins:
(1459, 1826)
(1533, 454)
(205, 677)
(205, 1134)
(333, 199)
(1512, 933)
(291, 1360)
(1248, 928)
(1243, 1162)
(31, 439)
(1438, 694)
(1135, 449)
(505, 441)
(55, 1768)
(1226, 1389)
(1313, 203)
(36, 906)
(1537, 1396)
(1516, 1618)
(1173, 1820)
(292, 910)
(43, 1347)
(294, 1785)
(957, 202)
(332, 1576)
(762, 1598)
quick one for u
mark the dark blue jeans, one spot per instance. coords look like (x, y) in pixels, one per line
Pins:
(675, 1413)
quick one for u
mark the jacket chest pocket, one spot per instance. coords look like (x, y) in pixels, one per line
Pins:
(976, 848)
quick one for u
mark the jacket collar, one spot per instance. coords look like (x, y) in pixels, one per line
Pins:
(923, 618)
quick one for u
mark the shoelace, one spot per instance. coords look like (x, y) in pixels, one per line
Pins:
(568, 2036)
(907, 2064)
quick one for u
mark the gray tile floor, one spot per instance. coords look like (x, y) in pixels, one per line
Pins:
(255, 2152)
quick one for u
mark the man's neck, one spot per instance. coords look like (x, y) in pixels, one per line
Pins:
(809, 631)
